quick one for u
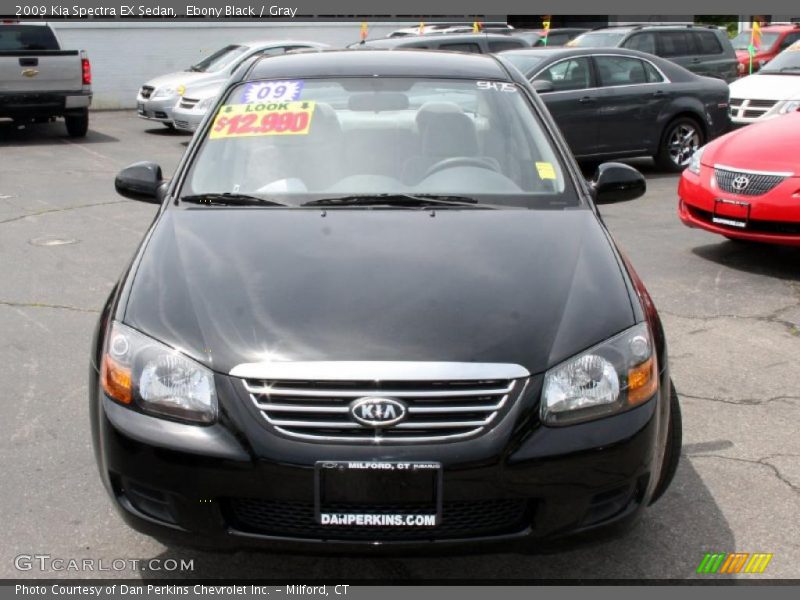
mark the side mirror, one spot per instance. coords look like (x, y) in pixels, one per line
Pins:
(542, 86)
(141, 181)
(615, 182)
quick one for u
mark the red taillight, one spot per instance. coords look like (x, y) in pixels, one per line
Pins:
(87, 71)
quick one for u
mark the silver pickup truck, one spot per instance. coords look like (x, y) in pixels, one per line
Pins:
(39, 81)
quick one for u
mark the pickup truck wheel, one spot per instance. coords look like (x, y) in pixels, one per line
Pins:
(672, 453)
(77, 125)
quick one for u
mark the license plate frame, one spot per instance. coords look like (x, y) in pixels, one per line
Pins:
(140, 108)
(735, 213)
(344, 476)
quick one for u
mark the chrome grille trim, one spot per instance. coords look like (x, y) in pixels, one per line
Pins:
(445, 401)
(378, 371)
(278, 391)
(188, 102)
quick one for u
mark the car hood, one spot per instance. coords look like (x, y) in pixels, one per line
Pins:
(185, 78)
(232, 286)
(762, 86)
(203, 90)
(771, 145)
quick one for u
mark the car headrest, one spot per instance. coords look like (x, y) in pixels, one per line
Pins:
(377, 102)
(450, 134)
(430, 110)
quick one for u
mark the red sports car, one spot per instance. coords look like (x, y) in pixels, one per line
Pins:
(746, 185)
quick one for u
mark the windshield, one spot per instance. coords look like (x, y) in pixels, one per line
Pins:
(16, 38)
(297, 141)
(219, 60)
(523, 61)
(788, 60)
(742, 41)
(604, 39)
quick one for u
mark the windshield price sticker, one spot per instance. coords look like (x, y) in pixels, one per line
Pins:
(266, 118)
(546, 170)
(272, 91)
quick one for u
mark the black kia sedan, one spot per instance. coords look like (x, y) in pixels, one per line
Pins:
(617, 103)
(378, 311)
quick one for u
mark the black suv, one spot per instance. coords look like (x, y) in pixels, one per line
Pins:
(702, 50)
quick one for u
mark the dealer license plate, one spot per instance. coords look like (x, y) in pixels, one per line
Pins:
(733, 213)
(378, 494)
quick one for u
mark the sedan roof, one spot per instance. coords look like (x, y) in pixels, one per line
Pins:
(388, 63)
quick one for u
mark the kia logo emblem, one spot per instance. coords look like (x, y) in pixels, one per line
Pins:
(378, 412)
(740, 182)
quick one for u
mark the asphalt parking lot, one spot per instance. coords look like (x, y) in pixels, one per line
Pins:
(731, 313)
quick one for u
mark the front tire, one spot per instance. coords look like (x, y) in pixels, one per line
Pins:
(681, 138)
(77, 125)
(672, 453)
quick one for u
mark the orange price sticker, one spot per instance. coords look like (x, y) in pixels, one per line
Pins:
(267, 118)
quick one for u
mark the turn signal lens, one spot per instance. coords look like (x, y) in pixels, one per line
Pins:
(642, 382)
(116, 380)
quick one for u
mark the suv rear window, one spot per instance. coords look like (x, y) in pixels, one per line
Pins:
(18, 38)
(707, 42)
(463, 47)
(674, 43)
(500, 46)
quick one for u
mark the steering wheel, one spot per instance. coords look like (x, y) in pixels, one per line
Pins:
(458, 161)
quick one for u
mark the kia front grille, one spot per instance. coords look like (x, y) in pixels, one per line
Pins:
(419, 402)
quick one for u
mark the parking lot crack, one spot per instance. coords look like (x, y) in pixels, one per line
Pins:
(772, 317)
(761, 461)
(47, 305)
(741, 401)
(56, 210)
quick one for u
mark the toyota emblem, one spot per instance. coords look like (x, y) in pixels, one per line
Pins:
(740, 182)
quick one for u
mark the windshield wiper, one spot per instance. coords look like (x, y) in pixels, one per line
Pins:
(397, 200)
(227, 199)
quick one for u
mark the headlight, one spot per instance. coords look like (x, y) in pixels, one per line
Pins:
(789, 106)
(205, 104)
(694, 162)
(612, 377)
(164, 92)
(138, 370)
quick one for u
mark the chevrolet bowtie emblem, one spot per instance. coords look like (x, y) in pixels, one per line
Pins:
(30, 72)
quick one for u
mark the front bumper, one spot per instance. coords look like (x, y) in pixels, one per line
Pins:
(187, 120)
(156, 109)
(521, 486)
(772, 218)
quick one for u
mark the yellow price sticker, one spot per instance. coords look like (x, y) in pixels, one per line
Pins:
(546, 170)
(267, 118)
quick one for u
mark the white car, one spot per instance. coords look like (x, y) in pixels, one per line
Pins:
(158, 97)
(774, 90)
(190, 109)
